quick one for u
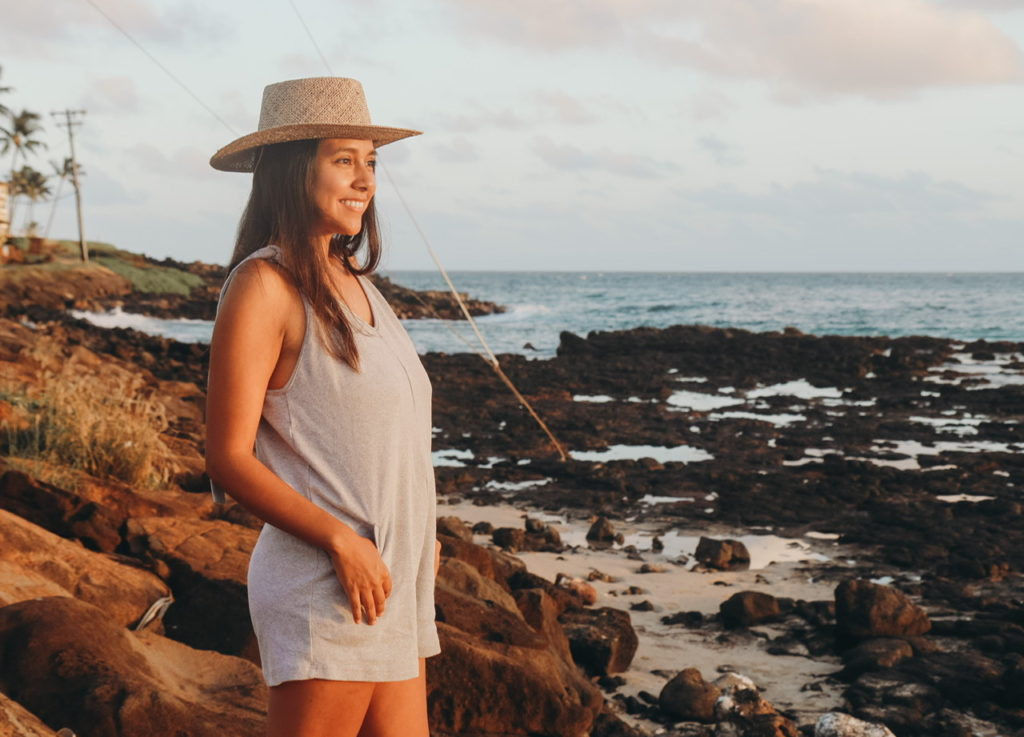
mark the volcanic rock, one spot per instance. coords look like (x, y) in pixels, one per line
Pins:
(865, 610)
(723, 555)
(875, 654)
(17, 721)
(36, 563)
(67, 662)
(687, 696)
(837, 724)
(747, 608)
(602, 640)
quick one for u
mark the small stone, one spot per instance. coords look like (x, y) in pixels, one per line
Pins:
(657, 545)
(642, 606)
(651, 568)
(601, 531)
(689, 697)
(748, 607)
(836, 724)
(724, 555)
(535, 526)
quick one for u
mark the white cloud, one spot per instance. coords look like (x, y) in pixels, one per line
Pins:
(567, 157)
(802, 48)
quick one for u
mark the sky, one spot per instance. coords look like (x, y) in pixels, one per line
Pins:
(597, 135)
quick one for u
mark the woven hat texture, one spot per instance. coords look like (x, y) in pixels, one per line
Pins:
(318, 107)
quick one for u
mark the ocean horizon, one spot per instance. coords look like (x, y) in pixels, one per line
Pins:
(541, 304)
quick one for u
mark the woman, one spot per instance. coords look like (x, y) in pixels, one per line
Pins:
(309, 366)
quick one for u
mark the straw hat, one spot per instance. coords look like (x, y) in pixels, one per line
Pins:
(319, 107)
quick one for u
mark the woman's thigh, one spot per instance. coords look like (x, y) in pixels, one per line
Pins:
(398, 708)
(318, 708)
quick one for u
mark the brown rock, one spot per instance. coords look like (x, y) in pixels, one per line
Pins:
(601, 531)
(68, 663)
(480, 607)
(479, 687)
(17, 721)
(602, 640)
(865, 610)
(93, 513)
(208, 562)
(454, 527)
(493, 564)
(687, 696)
(509, 538)
(876, 654)
(723, 555)
(747, 608)
(35, 563)
(541, 612)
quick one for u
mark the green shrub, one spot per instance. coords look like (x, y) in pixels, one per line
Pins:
(149, 278)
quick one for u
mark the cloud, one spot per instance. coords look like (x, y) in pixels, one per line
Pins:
(804, 49)
(187, 162)
(111, 95)
(837, 194)
(571, 158)
(41, 29)
(458, 150)
(563, 107)
(723, 153)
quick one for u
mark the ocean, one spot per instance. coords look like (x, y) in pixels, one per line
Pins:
(966, 306)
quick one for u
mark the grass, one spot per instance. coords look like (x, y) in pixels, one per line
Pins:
(145, 278)
(149, 278)
(87, 425)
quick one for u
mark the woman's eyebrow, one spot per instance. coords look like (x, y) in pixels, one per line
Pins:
(352, 150)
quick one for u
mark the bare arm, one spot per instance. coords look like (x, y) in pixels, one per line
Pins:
(251, 328)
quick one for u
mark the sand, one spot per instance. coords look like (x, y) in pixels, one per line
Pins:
(799, 569)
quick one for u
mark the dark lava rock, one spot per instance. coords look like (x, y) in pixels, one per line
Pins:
(877, 654)
(602, 640)
(687, 619)
(865, 610)
(723, 555)
(687, 696)
(601, 531)
(748, 607)
(509, 538)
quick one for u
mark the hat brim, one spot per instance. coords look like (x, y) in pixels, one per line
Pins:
(240, 154)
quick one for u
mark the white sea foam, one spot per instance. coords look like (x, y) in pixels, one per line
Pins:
(799, 388)
(780, 419)
(180, 329)
(597, 398)
(451, 457)
(679, 453)
(699, 401)
(954, 498)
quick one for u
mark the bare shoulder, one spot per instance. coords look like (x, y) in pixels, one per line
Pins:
(262, 286)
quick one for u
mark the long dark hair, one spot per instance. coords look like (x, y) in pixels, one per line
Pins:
(281, 211)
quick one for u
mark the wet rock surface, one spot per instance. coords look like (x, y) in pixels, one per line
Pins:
(860, 438)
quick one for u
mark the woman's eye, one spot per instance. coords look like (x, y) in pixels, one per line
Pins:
(372, 164)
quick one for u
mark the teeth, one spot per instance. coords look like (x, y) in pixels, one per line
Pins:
(353, 203)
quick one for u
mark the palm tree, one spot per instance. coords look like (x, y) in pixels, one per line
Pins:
(62, 173)
(31, 183)
(20, 135)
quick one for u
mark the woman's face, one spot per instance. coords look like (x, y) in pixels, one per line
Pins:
(344, 182)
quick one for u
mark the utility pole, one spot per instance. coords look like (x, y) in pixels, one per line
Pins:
(71, 120)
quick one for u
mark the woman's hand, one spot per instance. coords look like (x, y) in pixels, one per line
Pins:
(437, 556)
(363, 575)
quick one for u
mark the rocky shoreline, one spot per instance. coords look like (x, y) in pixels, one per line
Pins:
(688, 430)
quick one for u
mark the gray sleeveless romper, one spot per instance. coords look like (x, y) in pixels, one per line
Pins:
(357, 445)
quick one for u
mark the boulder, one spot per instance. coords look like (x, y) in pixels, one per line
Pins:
(541, 612)
(95, 512)
(747, 608)
(875, 654)
(17, 721)
(494, 564)
(454, 527)
(865, 610)
(67, 662)
(837, 724)
(509, 538)
(480, 687)
(602, 531)
(478, 606)
(688, 697)
(35, 563)
(723, 555)
(208, 562)
(744, 709)
(602, 640)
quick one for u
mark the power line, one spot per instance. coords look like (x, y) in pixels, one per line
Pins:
(164, 69)
(311, 38)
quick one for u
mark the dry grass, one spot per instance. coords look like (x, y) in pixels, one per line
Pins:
(109, 429)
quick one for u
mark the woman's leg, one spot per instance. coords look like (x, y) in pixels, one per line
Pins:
(318, 708)
(398, 708)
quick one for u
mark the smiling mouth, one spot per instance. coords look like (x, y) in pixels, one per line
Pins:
(354, 204)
